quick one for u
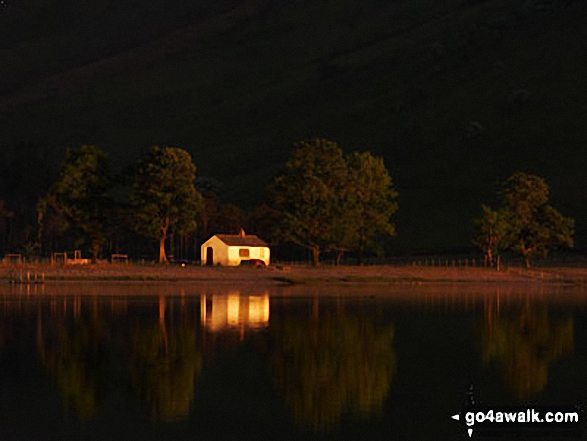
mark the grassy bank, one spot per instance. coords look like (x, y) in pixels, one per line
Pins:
(292, 275)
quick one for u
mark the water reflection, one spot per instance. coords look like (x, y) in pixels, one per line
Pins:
(164, 362)
(300, 360)
(155, 354)
(332, 363)
(72, 350)
(524, 343)
(221, 312)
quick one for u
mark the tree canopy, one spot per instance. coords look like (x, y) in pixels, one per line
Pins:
(373, 200)
(491, 232)
(331, 202)
(80, 196)
(164, 199)
(308, 195)
(524, 222)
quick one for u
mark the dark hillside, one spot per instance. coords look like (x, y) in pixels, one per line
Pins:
(454, 94)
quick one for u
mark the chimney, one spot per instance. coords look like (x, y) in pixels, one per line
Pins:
(241, 233)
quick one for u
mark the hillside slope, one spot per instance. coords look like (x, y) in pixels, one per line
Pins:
(455, 95)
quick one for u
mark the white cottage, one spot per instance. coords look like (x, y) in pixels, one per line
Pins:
(232, 249)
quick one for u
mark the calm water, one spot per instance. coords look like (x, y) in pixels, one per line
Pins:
(181, 362)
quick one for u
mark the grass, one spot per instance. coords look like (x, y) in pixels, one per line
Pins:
(301, 275)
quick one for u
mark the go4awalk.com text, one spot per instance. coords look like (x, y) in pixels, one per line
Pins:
(529, 421)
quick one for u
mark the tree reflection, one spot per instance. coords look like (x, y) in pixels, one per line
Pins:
(333, 365)
(163, 367)
(71, 350)
(525, 345)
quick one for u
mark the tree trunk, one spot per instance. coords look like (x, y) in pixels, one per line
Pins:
(172, 245)
(525, 254)
(339, 255)
(315, 256)
(360, 251)
(95, 250)
(162, 256)
(162, 237)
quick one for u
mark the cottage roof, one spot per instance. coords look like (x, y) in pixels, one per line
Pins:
(237, 240)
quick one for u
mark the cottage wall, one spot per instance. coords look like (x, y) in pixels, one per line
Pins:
(230, 255)
(220, 255)
(259, 253)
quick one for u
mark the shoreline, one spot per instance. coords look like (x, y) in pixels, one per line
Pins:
(288, 275)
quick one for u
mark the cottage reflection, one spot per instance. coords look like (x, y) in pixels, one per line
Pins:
(221, 312)
(524, 344)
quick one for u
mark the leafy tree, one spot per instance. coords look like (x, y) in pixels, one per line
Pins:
(80, 196)
(371, 200)
(6, 217)
(228, 219)
(332, 202)
(524, 222)
(262, 221)
(308, 194)
(209, 188)
(164, 199)
(27, 171)
(491, 232)
(533, 226)
(218, 218)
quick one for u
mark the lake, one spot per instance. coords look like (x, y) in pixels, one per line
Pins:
(96, 361)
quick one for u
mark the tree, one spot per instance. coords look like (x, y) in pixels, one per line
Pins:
(491, 232)
(228, 219)
(332, 202)
(308, 195)
(6, 217)
(262, 221)
(27, 171)
(209, 188)
(164, 199)
(371, 200)
(80, 196)
(524, 222)
(533, 226)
